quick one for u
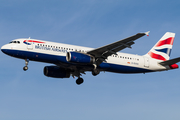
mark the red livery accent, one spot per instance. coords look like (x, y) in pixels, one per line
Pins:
(173, 66)
(168, 41)
(33, 41)
(156, 56)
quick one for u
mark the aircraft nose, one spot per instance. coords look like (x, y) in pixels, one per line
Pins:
(3, 49)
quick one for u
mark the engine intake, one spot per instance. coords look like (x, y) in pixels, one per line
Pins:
(56, 72)
(80, 58)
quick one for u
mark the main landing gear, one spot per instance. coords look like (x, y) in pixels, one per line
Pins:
(79, 81)
(95, 71)
(26, 63)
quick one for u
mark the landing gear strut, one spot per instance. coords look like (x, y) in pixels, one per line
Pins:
(95, 71)
(26, 63)
(79, 81)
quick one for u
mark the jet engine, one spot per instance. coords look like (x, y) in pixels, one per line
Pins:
(81, 58)
(56, 72)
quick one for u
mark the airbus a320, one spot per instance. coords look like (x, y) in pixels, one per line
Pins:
(72, 60)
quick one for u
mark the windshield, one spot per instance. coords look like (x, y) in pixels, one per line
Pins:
(17, 42)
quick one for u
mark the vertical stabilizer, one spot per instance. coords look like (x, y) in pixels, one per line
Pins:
(162, 49)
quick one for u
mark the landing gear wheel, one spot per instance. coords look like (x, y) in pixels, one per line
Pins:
(95, 72)
(79, 81)
(26, 63)
(25, 68)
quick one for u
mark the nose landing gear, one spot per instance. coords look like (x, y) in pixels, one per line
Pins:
(26, 63)
(25, 68)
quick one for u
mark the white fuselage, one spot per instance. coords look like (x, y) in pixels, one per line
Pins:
(43, 51)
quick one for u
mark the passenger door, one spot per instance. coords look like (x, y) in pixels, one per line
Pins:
(30, 45)
(146, 62)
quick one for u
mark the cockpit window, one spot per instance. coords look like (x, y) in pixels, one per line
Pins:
(17, 42)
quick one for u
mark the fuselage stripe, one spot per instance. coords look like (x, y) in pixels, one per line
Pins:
(34, 41)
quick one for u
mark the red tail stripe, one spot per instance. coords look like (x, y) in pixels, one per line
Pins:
(156, 56)
(168, 41)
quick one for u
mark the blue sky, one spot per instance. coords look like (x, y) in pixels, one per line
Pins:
(93, 23)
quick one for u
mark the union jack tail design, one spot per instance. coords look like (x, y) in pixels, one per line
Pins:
(162, 49)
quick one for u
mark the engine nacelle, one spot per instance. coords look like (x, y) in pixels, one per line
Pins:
(80, 58)
(56, 72)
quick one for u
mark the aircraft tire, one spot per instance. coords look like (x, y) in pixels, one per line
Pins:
(95, 72)
(25, 68)
(79, 81)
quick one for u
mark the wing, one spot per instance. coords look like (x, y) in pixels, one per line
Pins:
(103, 52)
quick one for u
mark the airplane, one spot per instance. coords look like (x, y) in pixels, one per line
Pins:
(72, 60)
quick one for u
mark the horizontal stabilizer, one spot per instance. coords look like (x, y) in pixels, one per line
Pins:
(170, 62)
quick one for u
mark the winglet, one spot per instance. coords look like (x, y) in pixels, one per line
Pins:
(147, 33)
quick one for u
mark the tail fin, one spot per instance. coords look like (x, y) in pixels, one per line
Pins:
(162, 49)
